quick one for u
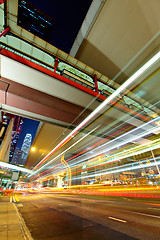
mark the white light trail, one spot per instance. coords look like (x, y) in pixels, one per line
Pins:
(7, 165)
(103, 104)
(120, 170)
(124, 156)
(119, 144)
(33, 173)
(106, 150)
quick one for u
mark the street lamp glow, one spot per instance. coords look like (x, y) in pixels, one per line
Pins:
(33, 149)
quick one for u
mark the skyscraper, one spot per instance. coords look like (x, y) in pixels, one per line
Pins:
(26, 147)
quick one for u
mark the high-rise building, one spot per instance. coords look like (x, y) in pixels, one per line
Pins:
(26, 147)
(17, 128)
(17, 156)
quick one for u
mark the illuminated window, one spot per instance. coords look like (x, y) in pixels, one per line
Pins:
(33, 20)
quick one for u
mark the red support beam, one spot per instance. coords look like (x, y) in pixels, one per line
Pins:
(47, 71)
(68, 81)
(95, 83)
(56, 62)
(4, 31)
(2, 1)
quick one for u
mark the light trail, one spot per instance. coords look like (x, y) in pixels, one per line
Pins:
(122, 118)
(128, 153)
(143, 214)
(82, 151)
(103, 104)
(86, 150)
(119, 144)
(111, 148)
(64, 151)
(10, 166)
(110, 125)
(114, 160)
(130, 165)
(119, 170)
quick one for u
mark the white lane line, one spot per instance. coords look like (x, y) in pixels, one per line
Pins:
(155, 209)
(117, 219)
(36, 205)
(19, 205)
(143, 214)
(14, 200)
(10, 198)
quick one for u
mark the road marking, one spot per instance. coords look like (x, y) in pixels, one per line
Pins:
(10, 198)
(155, 209)
(143, 214)
(88, 225)
(117, 219)
(36, 205)
(14, 200)
(19, 205)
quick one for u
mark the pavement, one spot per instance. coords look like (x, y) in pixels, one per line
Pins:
(12, 225)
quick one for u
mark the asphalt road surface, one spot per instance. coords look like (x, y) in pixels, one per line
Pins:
(69, 217)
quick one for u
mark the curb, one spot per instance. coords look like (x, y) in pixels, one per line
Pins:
(25, 231)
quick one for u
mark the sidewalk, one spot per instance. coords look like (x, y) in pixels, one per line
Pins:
(12, 225)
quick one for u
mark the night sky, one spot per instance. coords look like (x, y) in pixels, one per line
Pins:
(29, 126)
(67, 16)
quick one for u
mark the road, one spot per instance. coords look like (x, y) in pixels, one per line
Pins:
(71, 217)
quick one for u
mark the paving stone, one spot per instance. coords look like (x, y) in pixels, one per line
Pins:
(10, 228)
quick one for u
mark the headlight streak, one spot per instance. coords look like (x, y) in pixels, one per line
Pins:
(65, 150)
(102, 105)
(139, 164)
(122, 118)
(122, 155)
(109, 142)
(104, 145)
(7, 165)
(109, 149)
(86, 150)
(45, 158)
(118, 145)
(89, 148)
(120, 170)
(117, 159)
(114, 168)
(131, 152)
(110, 125)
